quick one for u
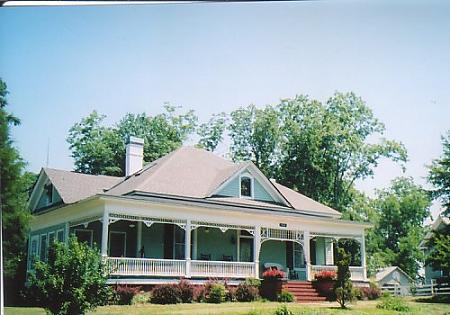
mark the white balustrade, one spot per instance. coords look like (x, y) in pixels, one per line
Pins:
(357, 273)
(222, 269)
(121, 266)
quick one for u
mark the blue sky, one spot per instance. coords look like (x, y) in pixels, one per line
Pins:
(61, 63)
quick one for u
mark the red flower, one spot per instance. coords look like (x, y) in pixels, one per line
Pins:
(273, 274)
(325, 275)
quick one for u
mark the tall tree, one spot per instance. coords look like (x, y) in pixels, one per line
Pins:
(14, 184)
(211, 133)
(439, 175)
(402, 209)
(318, 149)
(255, 136)
(98, 149)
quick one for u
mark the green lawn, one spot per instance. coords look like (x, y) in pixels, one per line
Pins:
(255, 308)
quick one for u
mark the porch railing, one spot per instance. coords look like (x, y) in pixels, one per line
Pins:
(357, 272)
(222, 269)
(121, 266)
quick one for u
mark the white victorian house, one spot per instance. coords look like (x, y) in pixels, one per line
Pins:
(189, 214)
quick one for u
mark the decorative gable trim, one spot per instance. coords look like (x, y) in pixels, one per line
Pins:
(256, 174)
(38, 190)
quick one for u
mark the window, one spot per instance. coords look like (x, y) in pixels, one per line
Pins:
(51, 238)
(178, 243)
(33, 251)
(246, 187)
(48, 189)
(60, 235)
(245, 246)
(84, 236)
(299, 260)
(43, 247)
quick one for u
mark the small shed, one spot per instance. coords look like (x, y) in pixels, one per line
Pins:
(394, 278)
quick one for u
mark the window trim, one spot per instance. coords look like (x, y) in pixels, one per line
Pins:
(46, 246)
(252, 186)
(302, 251)
(63, 235)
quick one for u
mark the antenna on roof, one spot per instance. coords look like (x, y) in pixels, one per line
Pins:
(48, 152)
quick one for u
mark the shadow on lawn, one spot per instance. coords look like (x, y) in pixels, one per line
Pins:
(435, 299)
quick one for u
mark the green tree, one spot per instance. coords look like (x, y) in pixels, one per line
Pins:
(439, 175)
(14, 185)
(343, 286)
(255, 136)
(72, 281)
(402, 209)
(318, 149)
(439, 254)
(211, 133)
(326, 146)
(98, 149)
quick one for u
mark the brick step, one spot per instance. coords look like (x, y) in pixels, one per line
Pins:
(318, 299)
(301, 290)
(314, 293)
(299, 287)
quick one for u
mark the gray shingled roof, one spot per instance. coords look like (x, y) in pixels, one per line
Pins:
(186, 172)
(73, 187)
(302, 202)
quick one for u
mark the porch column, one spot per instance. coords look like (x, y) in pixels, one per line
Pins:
(363, 256)
(256, 248)
(306, 253)
(329, 259)
(105, 227)
(187, 248)
(194, 244)
(139, 239)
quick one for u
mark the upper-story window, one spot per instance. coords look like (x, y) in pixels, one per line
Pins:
(246, 187)
(48, 189)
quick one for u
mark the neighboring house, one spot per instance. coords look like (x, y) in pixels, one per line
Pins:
(394, 277)
(189, 214)
(440, 224)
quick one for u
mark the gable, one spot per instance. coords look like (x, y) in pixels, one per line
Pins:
(260, 191)
(44, 194)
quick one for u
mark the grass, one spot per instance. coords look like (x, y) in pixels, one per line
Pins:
(254, 308)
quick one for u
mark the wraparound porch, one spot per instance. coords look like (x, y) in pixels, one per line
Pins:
(136, 246)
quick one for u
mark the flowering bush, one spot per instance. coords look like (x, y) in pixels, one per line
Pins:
(273, 274)
(325, 275)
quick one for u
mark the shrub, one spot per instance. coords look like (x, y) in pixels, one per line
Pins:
(166, 294)
(283, 310)
(285, 296)
(141, 298)
(371, 293)
(393, 303)
(124, 294)
(247, 293)
(230, 294)
(216, 293)
(325, 275)
(72, 281)
(273, 274)
(186, 291)
(343, 287)
(253, 282)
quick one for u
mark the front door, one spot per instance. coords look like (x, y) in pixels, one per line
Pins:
(117, 244)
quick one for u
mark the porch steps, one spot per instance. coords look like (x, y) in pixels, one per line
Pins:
(303, 291)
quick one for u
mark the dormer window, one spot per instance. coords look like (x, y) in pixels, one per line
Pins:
(246, 187)
(48, 190)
